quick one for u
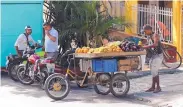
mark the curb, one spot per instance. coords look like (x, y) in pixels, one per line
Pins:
(138, 74)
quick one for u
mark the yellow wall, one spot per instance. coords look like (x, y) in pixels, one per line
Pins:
(131, 15)
(177, 17)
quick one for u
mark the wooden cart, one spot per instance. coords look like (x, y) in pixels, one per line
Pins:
(114, 64)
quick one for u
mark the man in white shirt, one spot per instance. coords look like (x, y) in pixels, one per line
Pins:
(23, 40)
(51, 41)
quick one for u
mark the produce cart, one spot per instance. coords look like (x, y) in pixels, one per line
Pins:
(115, 64)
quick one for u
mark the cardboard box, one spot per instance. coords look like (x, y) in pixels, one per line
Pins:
(124, 62)
(129, 61)
(124, 68)
(129, 64)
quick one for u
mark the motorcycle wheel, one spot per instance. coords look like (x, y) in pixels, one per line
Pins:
(102, 80)
(117, 87)
(23, 78)
(12, 72)
(57, 82)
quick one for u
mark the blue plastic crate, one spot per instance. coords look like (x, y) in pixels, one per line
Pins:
(97, 65)
(104, 65)
(110, 65)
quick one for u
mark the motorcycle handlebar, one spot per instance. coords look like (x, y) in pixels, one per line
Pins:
(37, 46)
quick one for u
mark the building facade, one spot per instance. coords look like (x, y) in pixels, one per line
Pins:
(166, 18)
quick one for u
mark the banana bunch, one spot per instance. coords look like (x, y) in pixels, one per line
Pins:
(111, 47)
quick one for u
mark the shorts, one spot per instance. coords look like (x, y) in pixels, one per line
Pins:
(155, 64)
(20, 52)
(52, 55)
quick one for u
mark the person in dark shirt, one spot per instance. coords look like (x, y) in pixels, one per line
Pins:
(154, 46)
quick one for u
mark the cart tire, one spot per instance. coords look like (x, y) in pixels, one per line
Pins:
(49, 80)
(97, 90)
(119, 77)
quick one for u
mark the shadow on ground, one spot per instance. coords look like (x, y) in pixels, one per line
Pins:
(85, 95)
(171, 85)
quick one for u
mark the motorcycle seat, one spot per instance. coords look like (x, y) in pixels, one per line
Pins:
(49, 60)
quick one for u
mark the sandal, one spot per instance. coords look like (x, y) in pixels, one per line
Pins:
(150, 90)
(157, 90)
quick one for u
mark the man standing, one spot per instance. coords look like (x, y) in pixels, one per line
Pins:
(51, 41)
(154, 46)
(23, 40)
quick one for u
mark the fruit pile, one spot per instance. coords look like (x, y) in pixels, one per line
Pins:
(111, 47)
(127, 46)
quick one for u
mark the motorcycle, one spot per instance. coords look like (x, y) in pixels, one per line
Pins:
(56, 66)
(34, 70)
(30, 73)
(12, 62)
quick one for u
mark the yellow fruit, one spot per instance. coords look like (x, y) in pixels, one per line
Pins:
(113, 50)
(118, 47)
(109, 50)
(82, 50)
(77, 50)
(91, 50)
(85, 50)
(140, 43)
(96, 50)
(105, 50)
(117, 50)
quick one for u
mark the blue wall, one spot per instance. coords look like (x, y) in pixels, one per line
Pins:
(15, 16)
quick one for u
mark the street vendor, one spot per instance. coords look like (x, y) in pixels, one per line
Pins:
(105, 41)
(154, 45)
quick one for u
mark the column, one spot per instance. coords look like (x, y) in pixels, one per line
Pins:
(131, 15)
(177, 37)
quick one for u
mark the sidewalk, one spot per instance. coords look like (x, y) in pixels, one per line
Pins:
(171, 95)
(163, 70)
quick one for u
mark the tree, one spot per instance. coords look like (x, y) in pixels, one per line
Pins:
(81, 19)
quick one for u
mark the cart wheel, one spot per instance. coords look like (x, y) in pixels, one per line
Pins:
(102, 84)
(120, 85)
(57, 86)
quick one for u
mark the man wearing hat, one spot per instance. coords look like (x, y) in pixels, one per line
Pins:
(23, 41)
(154, 46)
(51, 41)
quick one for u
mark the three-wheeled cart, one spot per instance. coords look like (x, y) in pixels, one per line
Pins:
(107, 72)
(116, 65)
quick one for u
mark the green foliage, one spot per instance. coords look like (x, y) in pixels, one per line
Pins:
(80, 17)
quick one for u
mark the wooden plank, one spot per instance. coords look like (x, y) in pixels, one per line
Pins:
(114, 33)
(108, 55)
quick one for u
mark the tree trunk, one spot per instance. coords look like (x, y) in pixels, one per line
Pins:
(98, 40)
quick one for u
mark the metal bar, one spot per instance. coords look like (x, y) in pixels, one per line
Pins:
(171, 37)
(157, 17)
(169, 24)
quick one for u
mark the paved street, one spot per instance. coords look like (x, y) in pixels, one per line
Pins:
(14, 94)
